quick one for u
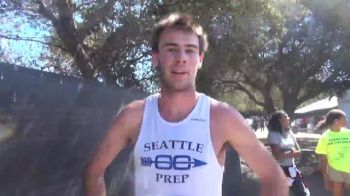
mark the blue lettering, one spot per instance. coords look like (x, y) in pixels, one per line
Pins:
(147, 147)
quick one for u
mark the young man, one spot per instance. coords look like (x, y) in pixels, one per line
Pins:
(180, 134)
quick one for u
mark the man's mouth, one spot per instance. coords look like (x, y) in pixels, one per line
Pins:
(178, 72)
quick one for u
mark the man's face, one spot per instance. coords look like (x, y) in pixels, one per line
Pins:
(178, 59)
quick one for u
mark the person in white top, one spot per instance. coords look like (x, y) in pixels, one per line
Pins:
(180, 135)
(285, 149)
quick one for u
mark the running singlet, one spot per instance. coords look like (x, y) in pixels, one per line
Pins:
(176, 159)
(336, 146)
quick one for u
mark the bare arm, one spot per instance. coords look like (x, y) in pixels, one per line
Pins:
(324, 167)
(122, 132)
(279, 154)
(243, 139)
(296, 152)
(324, 163)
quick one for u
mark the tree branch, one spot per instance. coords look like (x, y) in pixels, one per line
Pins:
(318, 88)
(236, 85)
(103, 53)
(80, 6)
(46, 12)
(16, 3)
(17, 38)
(94, 19)
(65, 26)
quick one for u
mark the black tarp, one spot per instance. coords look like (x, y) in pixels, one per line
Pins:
(50, 125)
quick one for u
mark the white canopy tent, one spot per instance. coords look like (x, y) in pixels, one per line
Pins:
(323, 104)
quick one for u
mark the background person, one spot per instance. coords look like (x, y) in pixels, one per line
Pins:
(285, 149)
(334, 150)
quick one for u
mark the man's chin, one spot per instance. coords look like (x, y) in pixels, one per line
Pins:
(178, 88)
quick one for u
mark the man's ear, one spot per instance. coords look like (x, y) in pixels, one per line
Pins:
(201, 58)
(155, 59)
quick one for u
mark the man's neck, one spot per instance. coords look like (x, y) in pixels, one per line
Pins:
(176, 106)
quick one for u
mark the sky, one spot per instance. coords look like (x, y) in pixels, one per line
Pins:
(27, 50)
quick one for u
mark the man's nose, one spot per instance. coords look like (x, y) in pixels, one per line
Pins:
(181, 61)
(181, 57)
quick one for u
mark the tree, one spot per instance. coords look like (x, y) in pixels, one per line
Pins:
(298, 62)
(274, 53)
(278, 53)
(103, 40)
(334, 16)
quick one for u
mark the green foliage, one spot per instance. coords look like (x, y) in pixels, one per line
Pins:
(276, 53)
(279, 53)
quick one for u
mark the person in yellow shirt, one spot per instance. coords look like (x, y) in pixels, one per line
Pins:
(334, 150)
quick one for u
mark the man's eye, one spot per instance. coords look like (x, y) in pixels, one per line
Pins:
(171, 49)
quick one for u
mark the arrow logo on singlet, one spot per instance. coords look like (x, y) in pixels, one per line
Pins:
(167, 162)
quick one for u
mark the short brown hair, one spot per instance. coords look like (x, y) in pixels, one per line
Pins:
(183, 22)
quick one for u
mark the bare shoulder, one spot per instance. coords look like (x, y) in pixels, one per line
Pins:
(229, 127)
(226, 122)
(134, 109)
(223, 112)
(122, 132)
(129, 119)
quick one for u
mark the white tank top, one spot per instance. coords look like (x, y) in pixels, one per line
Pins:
(176, 159)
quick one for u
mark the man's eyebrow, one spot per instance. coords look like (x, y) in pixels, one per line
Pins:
(174, 45)
(170, 44)
(191, 46)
